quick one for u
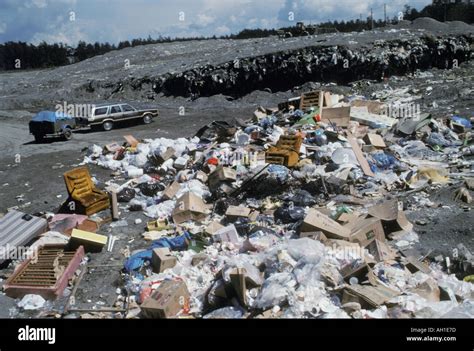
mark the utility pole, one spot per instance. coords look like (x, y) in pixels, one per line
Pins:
(385, 12)
(372, 18)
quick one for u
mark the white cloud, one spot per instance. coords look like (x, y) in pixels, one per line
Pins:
(66, 33)
(205, 19)
(40, 4)
(222, 30)
(97, 20)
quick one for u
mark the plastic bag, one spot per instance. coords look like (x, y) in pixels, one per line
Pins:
(289, 214)
(302, 198)
(275, 290)
(462, 121)
(382, 161)
(306, 250)
(225, 313)
(150, 189)
(31, 302)
(161, 210)
(126, 195)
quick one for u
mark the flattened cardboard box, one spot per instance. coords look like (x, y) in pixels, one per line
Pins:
(238, 211)
(130, 139)
(375, 140)
(316, 221)
(374, 296)
(171, 191)
(387, 211)
(337, 115)
(167, 301)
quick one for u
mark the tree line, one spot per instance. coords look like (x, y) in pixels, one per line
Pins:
(22, 55)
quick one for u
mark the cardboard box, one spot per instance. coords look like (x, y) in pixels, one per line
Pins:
(346, 218)
(381, 251)
(201, 176)
(413, 265)
(212, 228)
(171, 190)
(160, 157)
(227, 234)
(113, 147)
(198, 258)
(374, 107)
(221, 174)
(237, 280)
(189, 207)
(337, 115)
(367, 230)
(387, 211)
(162, 259)
(375, 140)
(170, 299)
(372, 296)
(359, 272)
(317, 221)
(131, 141)
(363, 116)
(234, 212)
(92, 242)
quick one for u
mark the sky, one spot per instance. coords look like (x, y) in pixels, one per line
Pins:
(69, 21)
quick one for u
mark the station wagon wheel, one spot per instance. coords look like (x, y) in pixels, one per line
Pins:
(147, 119)
(107, 126)
(39, 138)
(67, 134)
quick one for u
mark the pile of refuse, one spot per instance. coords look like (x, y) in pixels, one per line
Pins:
(333, 63)
(295, 213)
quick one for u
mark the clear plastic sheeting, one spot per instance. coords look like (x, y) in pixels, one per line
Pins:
(225, 313)
(161, 210)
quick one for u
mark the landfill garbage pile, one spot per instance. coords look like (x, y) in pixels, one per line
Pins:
(296, 213)
(285, 69)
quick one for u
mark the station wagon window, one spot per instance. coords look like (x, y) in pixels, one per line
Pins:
(127, 108)
(100, 111)
(115, 109)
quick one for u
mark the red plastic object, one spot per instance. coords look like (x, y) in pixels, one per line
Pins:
(213, 161)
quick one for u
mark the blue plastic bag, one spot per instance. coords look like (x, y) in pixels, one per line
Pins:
(135, 262)
(462, 121)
